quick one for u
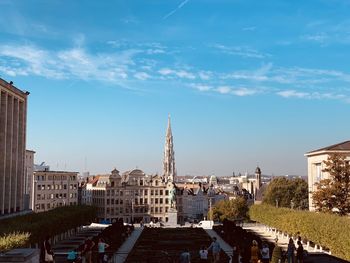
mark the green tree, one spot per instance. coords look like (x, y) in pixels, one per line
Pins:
(333, 194)
(284, 192)
(230, 209)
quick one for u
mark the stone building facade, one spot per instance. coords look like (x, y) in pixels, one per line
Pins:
(29, 180)
(54, 188)
(315, 165)
(13, 122)
(132, 196)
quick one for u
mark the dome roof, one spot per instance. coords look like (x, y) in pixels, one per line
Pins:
(257, 170)
(136, 172)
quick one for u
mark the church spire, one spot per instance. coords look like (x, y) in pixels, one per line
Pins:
(169, 171)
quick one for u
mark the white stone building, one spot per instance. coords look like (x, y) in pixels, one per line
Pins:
(315, 165)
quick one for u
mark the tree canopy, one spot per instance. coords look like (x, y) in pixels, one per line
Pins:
(333, 193)
(230, 209)
(284, 192)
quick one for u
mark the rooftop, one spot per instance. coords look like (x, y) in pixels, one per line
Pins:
(339, 147)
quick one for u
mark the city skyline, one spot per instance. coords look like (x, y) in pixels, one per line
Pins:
(246, 83)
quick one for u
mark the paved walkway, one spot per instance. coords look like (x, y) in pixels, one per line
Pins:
(270, 235)
(124, 250)
(224, 246)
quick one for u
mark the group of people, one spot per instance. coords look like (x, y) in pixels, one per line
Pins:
(215, 247)
(247, 249)
(291, 256)
(83, 255)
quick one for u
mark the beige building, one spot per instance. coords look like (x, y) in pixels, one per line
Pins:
(28, 180)
(315, 165)
(132, 196)
(54, 188)
(13, 118)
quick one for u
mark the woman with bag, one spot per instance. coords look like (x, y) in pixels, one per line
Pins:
(48, 253)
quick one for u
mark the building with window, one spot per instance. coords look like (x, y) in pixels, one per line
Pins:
(132, 196)
(13, 122)
(315, 165)
(28, 179)
(54, 188)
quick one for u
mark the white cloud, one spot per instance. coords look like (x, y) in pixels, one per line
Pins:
(204, 75)
(201, 87)
(318, 37)
(179, 73)
(312, 95)
(293, 93)
(223, 89)
(185, 74)
(240, 51)
(155, 51)
(142, 75)
(243, 92)
(165, 71)
(63, 64)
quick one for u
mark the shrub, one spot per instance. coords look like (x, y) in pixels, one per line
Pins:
(327, 230)
(33, 228)
(13, 240)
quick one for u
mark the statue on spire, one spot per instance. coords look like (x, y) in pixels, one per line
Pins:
(169, 171)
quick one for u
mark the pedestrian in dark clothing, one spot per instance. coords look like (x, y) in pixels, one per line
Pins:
(300, 253)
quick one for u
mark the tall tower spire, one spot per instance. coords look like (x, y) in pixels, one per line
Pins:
(169, 171)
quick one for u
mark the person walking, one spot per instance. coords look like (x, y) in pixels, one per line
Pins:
(300, 252)
(203, 254)
(290, 251)
(215, 247)
(265, 253)
(101, 250)
(254, 252)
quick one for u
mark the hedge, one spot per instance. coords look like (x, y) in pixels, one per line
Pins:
(328, 230)
(32, 228)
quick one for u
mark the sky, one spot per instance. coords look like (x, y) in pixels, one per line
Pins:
(246, 83)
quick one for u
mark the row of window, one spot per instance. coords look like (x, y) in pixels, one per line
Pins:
(140, 192)
(56, 186)
(56, 177)
(54, 196)
(140, 201)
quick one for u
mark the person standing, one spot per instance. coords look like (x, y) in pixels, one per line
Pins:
(254, 252)
(87, 252)
(48, 253)
(203, 254)
(300, 252)
(215, 247)
(276, 253)
(265, 253)
(185, 256)
(290, 251)
(101, 249)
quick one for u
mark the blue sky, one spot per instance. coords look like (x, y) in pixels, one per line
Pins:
(245, 82)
